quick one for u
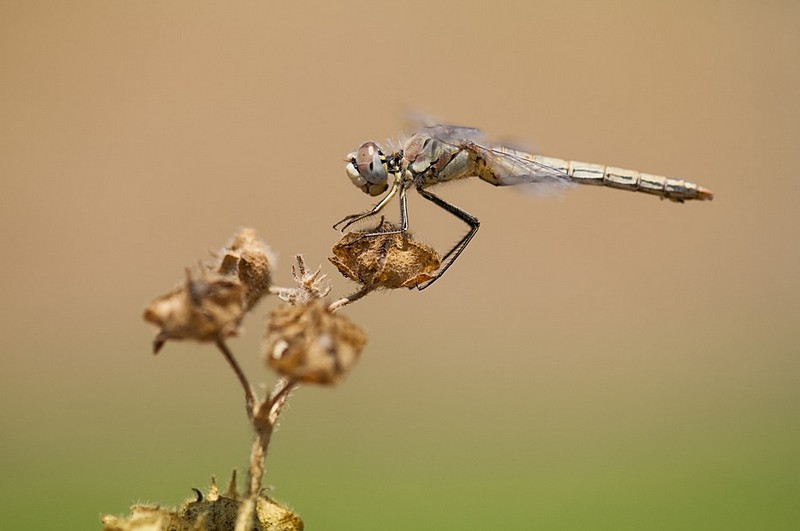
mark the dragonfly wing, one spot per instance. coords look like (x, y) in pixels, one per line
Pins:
(509, 167)
(505, 166)
(454, 134)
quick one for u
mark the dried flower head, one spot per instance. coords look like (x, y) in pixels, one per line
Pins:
(204, 309)
(249, 259)
(390, 261)
(310, 343)
(211, 307)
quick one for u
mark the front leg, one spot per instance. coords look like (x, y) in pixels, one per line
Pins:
(353, 218)
(377, 232)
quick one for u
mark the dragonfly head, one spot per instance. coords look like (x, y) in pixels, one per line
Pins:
(368, 170)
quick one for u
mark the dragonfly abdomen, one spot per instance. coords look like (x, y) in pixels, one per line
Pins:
(677, 190)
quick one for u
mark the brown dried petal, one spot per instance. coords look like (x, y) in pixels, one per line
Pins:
(205, 309)
(388, 261)
(309, 343)
(248, 259)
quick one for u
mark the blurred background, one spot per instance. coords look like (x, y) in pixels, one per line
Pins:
(598, 360)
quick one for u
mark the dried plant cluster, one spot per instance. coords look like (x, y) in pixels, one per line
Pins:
(306, 341)
(310, 343)
(215, 510)
(211, 306)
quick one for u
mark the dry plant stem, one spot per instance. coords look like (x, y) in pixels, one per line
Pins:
(350, 298)
(279, 291)
(249, 396)
(278, 398)
(264, 418)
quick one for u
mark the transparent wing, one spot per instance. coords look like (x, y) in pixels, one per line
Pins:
(419, 121)
(454, 134)
(505, 166)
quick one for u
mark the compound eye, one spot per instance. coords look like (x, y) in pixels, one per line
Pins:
(371, 163)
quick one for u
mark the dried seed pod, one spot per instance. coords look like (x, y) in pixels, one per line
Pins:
(389, 261)
(204, 309)
(249, 259)
(309, 343)
(212, 307)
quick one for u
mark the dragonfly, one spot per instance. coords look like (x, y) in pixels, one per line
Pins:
(441, 153)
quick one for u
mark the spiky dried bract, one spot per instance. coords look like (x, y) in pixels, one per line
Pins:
(204, 309)
(249, 259)
(213, 512)
(390, 261)
(310, 284)
(309, 343)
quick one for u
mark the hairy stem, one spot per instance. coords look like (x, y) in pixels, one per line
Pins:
(350, 298)
(264, 417)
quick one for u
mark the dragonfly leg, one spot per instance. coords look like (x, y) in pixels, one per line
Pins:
(459, 247)
(403, 222)
(353, 218)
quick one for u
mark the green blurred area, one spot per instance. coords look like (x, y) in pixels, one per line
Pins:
(609, 450)
(593, 361)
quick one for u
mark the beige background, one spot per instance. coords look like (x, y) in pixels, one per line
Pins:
(600, 360)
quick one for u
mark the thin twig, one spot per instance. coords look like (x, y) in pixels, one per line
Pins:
(279, 397)
(249, 396)
(335, 305)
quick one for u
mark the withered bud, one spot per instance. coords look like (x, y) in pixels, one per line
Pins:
(392, 260)
(212, 511)
(309, 343)
(212, 306)
(249, 259)
(204, 309)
